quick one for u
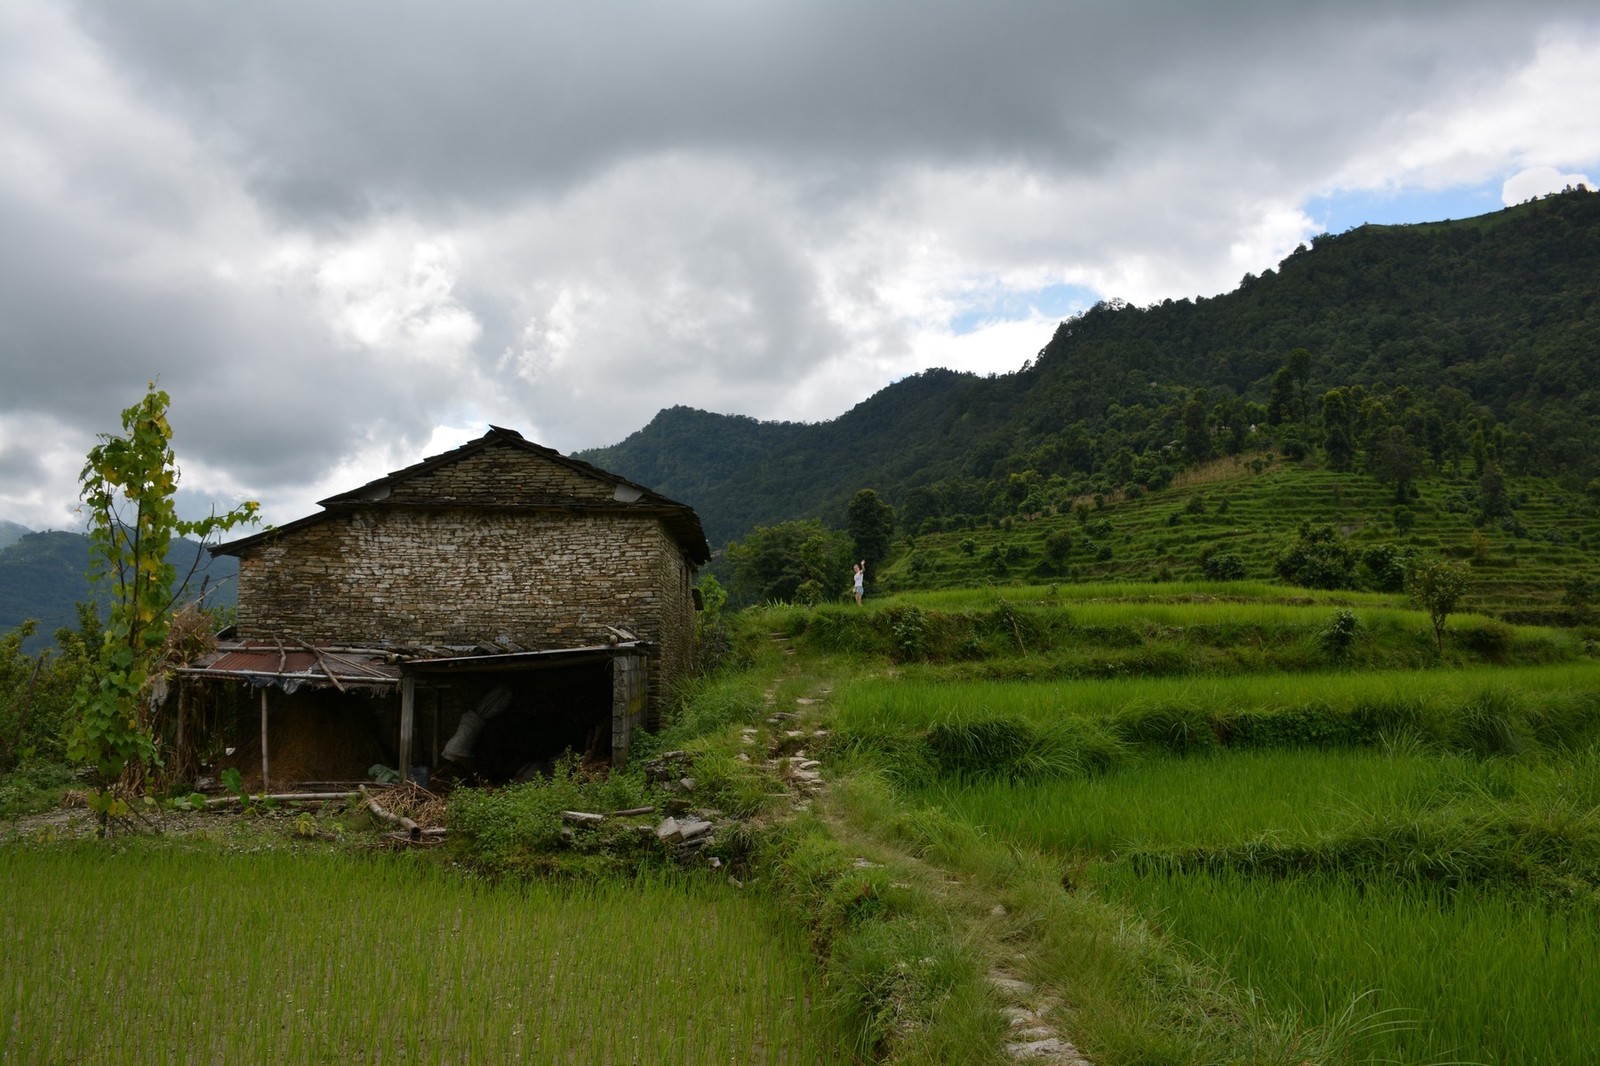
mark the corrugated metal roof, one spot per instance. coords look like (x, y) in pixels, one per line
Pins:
(271, 663)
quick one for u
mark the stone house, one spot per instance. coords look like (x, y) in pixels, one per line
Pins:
(476, 614)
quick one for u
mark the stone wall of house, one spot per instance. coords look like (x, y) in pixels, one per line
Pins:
(674, 577)
(542, 579)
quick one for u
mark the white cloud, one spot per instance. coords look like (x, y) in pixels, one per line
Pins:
(1539, 181)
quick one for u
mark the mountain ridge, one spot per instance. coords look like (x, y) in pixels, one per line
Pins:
(1487, 320)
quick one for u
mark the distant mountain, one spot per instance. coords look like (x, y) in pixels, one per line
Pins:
(44, 576)
(738, 472)
(1474, 336)
(11, 532)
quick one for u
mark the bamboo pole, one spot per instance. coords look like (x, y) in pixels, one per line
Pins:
(412, 828)
(282, 797)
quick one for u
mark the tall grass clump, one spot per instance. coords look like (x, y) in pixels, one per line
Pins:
(518, 831)
(1013, 749)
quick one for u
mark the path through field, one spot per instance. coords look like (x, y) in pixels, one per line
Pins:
(1028, 1008)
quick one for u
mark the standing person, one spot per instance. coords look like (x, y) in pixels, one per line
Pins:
(860, 579)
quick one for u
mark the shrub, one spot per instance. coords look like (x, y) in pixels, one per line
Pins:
(1339, 635)
(910, 633)
(1222, 566)
(1384, 566)
(1058, 545)
(1318, 558)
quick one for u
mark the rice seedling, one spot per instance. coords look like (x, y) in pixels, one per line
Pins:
(1559, 701)
(145, 955)
(1188, 803)
(1474, 975)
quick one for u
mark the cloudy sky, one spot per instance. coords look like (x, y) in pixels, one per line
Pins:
(344, 234)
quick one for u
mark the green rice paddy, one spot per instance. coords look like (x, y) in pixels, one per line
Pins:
(140, 955)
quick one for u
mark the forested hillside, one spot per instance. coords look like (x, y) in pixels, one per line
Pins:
(44, 576)
(1387, 349)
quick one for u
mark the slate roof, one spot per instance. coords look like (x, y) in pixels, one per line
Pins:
(629, 498)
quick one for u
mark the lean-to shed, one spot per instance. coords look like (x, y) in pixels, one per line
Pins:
(479, 612)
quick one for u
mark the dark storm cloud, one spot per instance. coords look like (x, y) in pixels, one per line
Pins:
(334, 230)
(349, 107)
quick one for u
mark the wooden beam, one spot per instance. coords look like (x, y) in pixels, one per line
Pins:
(264, 690)
(408, 723)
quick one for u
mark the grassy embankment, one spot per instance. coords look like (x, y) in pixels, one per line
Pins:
(1215, 833)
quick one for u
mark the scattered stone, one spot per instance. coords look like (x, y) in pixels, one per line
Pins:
(1053, 1048)
(1011, 985)
(694, 827)
(998, 910)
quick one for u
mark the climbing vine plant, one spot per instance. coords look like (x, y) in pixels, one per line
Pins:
(128, 484)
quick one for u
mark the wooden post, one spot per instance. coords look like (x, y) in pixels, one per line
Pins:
(434, 746)
(619, 714)
(179, 747)
(264, 690)
(408, 722)
(627, 698)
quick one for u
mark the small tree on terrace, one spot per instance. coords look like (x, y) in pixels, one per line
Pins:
(1436, 586)
(128, 484)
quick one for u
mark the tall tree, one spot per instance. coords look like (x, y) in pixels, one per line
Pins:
(870, 523)
(1337, 443)
(1196, 429)
(129, 483)
(1396, 461)
(1298, 363)
(1280, 402)
(800, 561)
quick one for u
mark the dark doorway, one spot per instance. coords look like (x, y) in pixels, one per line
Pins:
(549, 713)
